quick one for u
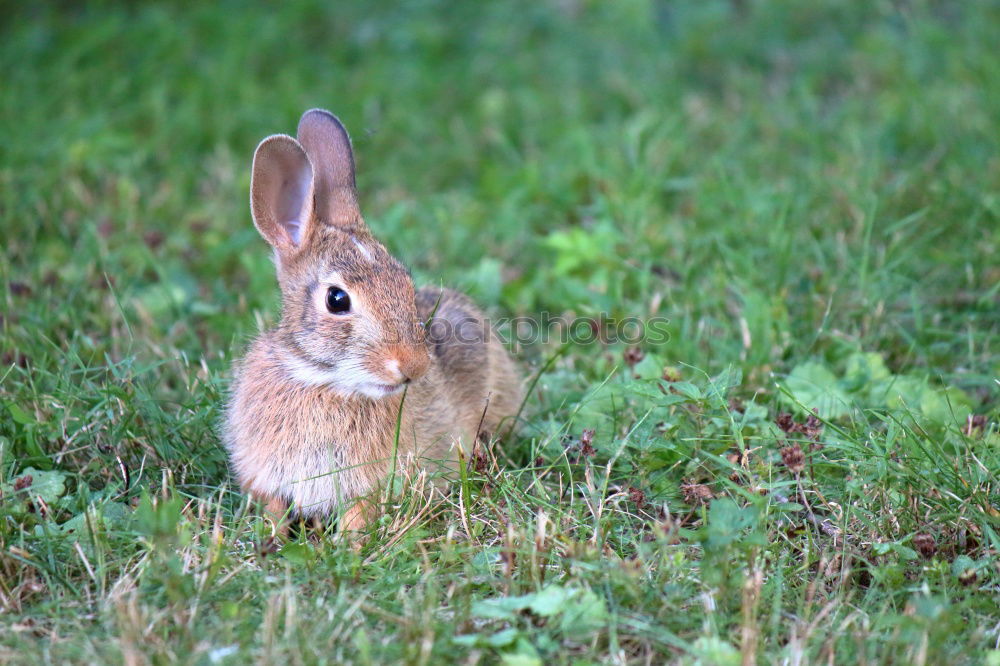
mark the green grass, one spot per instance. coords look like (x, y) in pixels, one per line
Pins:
(809, 192)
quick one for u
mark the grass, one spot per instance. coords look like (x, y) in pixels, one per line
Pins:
(808, 192)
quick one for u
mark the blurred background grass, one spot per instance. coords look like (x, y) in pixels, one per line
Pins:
(784, 181)
(821, 172)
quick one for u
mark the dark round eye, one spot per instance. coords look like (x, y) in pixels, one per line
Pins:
(337, 300)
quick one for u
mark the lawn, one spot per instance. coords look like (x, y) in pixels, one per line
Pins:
(804, 196)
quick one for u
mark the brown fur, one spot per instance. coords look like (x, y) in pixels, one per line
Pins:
(299, 421)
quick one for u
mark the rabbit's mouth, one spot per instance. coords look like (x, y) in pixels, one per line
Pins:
(375, 390)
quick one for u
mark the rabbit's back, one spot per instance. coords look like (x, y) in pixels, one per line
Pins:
(477, 371)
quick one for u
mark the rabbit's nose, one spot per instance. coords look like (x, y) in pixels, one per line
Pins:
(407, 366)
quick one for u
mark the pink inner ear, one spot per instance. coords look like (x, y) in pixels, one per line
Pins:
(292, 205)
(294, 229)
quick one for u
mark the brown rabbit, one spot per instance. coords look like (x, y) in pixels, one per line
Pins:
(311, 423)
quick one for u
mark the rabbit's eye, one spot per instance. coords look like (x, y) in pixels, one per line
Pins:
(337, 300)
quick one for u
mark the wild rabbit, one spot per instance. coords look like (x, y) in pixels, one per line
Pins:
(311, 422)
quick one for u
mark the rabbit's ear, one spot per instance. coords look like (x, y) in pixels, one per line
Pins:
(329, 149)
(281, 192)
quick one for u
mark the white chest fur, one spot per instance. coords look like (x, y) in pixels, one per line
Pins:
(317, 481)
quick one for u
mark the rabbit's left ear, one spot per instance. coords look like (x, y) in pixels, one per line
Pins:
(328, 146)
(281, 193)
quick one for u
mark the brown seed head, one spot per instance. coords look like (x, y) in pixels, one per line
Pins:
(812, 428)
(268, 546)
(633, 355)
(153, 239)
(785, 422)
(637, 497)
(925, 544)
(479, 461)
(19, 288)
(696, 493)
(793, 458)
(974, 423)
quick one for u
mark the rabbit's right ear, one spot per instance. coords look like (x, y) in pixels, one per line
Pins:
(328, 146)
(281, 192)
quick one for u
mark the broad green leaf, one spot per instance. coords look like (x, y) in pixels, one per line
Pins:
(579, 248)
(116, 513)
(485, 561)
(963, 565)
(863, 369)
(502, 638)
(654, 393)
(523, 654)
(160, 299)
(905, 552)
(687, 389)
(650, 367)
(501, 607)
(19, 415)
(550, 600)
(940, 405)
(586, 613)
(497, 640)
(720, 385)
(946, 405)
(726, 522)
(713, 651)
(110, 514)
(579, 610)
(814, 386)
(298, 553)
(899, 392)
(158, 518)
(518, 659)
(49, 485)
